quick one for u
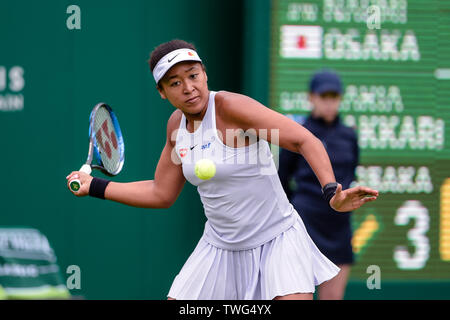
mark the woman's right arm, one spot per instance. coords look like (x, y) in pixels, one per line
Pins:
(161, 192)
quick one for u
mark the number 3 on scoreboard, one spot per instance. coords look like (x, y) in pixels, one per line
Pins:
(413, 209)
(444, 232)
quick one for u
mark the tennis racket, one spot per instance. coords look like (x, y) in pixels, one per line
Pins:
(106, 148)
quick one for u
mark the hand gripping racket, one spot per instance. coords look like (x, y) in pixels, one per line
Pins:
(106, 148)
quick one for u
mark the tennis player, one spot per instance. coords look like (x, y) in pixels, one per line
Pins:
(254, 245)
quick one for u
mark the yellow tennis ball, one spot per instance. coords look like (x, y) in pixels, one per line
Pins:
(205, 169)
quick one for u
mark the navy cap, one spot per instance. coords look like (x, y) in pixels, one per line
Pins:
(325, 81)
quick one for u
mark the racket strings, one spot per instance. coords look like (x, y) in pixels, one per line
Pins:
(106, 139)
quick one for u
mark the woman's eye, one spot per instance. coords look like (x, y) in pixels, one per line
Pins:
(194, 76)
(174, 84)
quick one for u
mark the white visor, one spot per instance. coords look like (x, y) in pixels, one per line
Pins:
(172, 58)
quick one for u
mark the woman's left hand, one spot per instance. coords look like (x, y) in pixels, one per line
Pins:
(353, 198)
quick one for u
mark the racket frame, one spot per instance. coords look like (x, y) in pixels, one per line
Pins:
(93, 148)
(93, 151)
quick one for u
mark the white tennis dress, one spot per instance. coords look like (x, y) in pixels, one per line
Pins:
(255, 245)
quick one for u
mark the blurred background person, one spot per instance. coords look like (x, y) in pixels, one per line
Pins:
(330, 230)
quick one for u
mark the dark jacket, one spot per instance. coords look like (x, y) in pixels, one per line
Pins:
(330, 230)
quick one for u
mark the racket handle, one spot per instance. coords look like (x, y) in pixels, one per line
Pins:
(75, 184)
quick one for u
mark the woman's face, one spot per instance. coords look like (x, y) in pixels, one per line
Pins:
(325, 105)
(185, 85)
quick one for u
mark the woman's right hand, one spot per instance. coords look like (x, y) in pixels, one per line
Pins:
(85, 181)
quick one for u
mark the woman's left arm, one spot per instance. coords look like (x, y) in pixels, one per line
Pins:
(247, 113)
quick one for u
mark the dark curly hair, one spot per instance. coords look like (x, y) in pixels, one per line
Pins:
(164, 48)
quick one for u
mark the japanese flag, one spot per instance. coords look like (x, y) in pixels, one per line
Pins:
(301, 42)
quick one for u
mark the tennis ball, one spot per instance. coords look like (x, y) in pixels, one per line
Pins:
(205, 169)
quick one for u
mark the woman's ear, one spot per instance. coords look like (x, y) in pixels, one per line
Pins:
(161, 91)
(204, 70)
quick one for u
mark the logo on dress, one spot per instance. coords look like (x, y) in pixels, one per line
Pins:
(183, 152)
(206, 146)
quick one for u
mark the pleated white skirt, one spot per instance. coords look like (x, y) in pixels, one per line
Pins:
(289, 263)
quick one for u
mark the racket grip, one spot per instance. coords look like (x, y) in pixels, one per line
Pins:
(75, 184)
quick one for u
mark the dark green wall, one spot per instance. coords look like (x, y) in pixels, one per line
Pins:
(123, 252)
